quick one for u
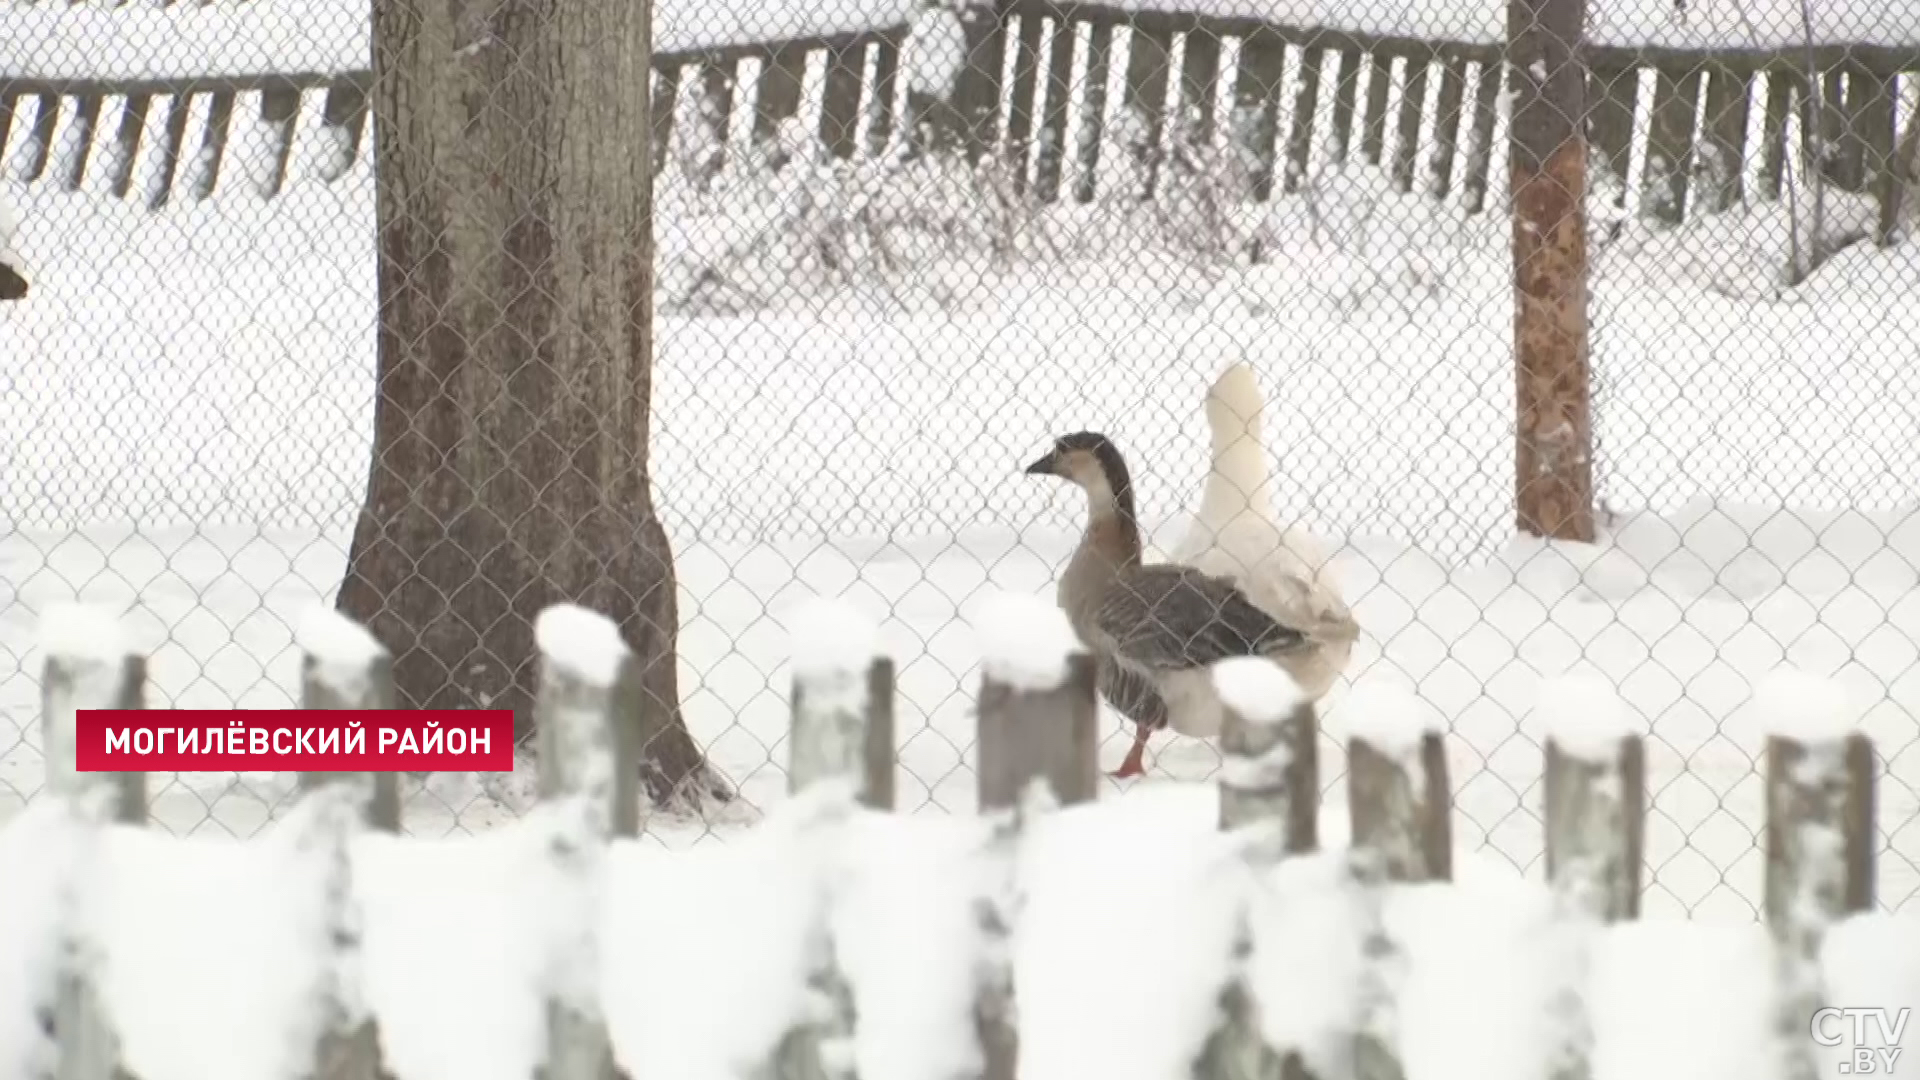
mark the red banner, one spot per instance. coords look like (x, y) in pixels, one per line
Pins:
(295, 740)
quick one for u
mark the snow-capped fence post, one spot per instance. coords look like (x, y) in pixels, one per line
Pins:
(1819, 840)
(1271, 743)
(345, 668)
(1038, 744)
(1595, 798)
(1596, 826)
(842, 723)
(841, 733)
(1038, 710)
(1271, 779)
(1398, 793)
(589, 774)
(1400, 803)
(89, 665)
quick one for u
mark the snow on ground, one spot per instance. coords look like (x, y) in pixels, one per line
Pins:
(283, 36)
(1129, 908)
(867, 447)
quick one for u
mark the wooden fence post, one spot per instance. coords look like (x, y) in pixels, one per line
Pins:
(842, 705)
(1613, 92)
(1595, 798)
(1038, 732)
(1819, 842)
(1447, 124)
(1486, 95)
(1053, 123)
(881, 104)
(1255, 122)
(1553, 433)
(1413, 101)
(588, 757)
(1729, 105)
(1272, 747)
(1784, 84)
(1025, 90)
(1039, 715)
(1596, 827)
(1670, 143)
(975, 98)
(1306, 107)
(1093, 110)
(1271, 778)
(345, 668)
(344, 116)
(1901, 183)
(1143, 100)
(1400, 802)
(842, 732)
(89, 665)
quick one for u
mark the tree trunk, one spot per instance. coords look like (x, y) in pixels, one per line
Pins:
(1547, 156)
(510, 465)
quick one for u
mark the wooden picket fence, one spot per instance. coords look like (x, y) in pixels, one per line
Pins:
(96, 132)
(1037, 716)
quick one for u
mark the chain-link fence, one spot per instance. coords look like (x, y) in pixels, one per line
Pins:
(901, 248)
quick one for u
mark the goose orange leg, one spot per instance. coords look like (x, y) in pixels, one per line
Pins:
(1134, 764)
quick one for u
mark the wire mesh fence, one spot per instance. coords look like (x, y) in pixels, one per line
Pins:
(901, 247)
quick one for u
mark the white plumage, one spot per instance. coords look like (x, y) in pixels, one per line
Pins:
(1287, 572)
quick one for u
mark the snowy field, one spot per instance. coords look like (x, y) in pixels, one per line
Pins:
(206, 373)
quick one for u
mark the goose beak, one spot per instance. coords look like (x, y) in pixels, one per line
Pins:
(1046, 466)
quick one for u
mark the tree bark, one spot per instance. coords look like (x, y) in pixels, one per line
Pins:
(510, 466)
(1553, 437)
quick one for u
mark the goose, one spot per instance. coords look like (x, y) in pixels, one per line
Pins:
(1154, 630)
(1287, 572)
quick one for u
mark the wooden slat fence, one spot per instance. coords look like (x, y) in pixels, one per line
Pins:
(1037, 750)
(1424, 110)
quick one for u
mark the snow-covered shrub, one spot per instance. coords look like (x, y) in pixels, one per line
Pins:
(1747, 252)
(789, 223)
(1607, 213)
(1343, 203)
(1368, 245)
(784, 221)
(1203, 205)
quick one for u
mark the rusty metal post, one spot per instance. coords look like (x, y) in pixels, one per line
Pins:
(1553, 438)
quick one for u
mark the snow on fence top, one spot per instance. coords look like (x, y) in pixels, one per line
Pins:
(1138, 937)
(1025, 641)
(61, 41)
(1585, 716)
(1695, 25)
(79, 41)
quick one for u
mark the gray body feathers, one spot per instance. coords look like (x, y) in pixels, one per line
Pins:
(1155, 631)
(1170, 618)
